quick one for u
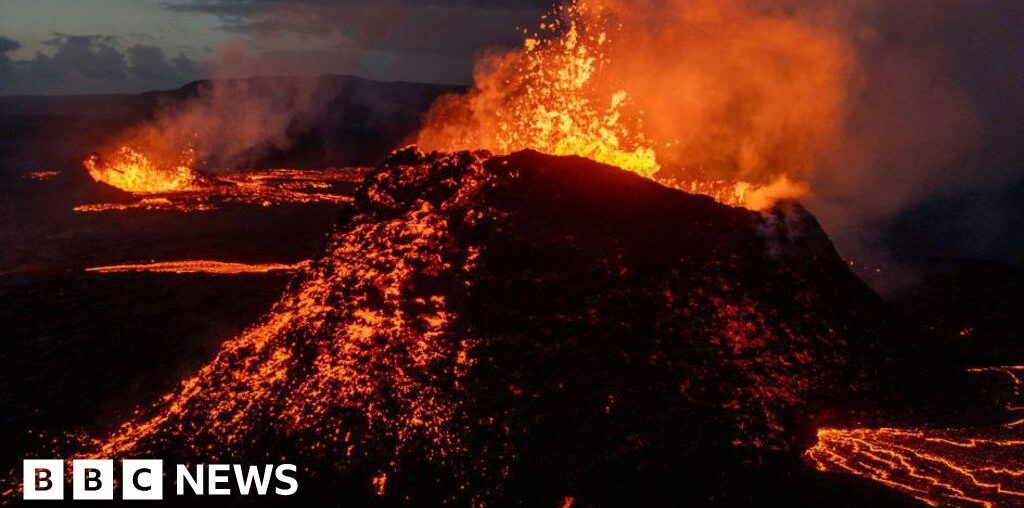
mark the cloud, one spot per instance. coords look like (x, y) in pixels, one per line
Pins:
(424, 40)
(7, 45)
(92, 64)
(878, 106)
(936, 112)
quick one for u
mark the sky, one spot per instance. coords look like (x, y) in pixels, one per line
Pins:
(126, 46)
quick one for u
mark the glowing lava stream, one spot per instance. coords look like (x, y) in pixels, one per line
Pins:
(941, 467)
(199, 266)
(45, 174)
(183, 189)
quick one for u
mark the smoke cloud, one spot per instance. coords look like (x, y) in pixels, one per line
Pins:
(934, 105)
(231, 123)
(872, 106)
(728, 91)
(875, 106)
(235, 120)
(724, 91)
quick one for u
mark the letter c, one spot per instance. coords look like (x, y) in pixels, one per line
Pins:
(135, 479)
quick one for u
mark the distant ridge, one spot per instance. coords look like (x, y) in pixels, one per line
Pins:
(361, 121)
(142, 102)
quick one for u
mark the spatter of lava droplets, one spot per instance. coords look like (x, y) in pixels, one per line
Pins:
(941, 467)
(555, 95)
(545, 97)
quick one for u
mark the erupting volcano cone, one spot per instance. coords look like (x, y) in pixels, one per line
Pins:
(533, 328)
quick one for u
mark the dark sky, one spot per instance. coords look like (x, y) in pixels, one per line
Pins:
(105, 46)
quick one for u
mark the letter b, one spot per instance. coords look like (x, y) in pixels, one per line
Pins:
(92, 479)
(43, 479)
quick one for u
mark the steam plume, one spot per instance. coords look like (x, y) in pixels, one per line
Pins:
(865, 103)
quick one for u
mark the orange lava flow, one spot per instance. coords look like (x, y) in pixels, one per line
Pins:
(199, 266)
(255, 372)
(1015, 374)
(745, 194)
(41, 175)
(150, 203)
(941, 467)
(198, 193)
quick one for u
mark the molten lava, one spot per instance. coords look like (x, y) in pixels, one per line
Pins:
(186, 190)
(731, 117)
(41, 175)
(479, 322)
(745, 194)
(130, 170)
(556, 108)
(941, 467)
(199, 266)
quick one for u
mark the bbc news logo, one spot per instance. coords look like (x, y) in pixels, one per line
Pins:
(142, 480)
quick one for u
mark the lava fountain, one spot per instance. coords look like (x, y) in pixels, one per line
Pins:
(545, 98)
(717, 99)
(132, 170)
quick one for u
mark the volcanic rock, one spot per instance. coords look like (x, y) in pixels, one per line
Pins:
(536, 330)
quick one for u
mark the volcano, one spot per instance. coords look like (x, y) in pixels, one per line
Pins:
(487, 330)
